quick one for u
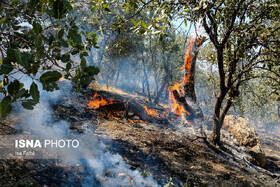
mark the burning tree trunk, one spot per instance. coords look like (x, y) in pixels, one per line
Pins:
(184, 99)
(189, 66)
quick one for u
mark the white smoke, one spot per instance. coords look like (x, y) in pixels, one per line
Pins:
(107, 169)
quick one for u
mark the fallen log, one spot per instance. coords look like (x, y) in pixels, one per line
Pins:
(126, 107)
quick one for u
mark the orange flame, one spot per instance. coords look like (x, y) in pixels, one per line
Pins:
(176, 107)
(98, 101)
(151, 112)
(196, 122)
(188, 57)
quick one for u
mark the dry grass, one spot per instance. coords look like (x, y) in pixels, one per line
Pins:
(102, 87)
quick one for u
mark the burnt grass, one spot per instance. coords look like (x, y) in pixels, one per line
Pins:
(156, 149)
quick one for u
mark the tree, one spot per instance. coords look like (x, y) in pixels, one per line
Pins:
(40, 39)
(242, 41)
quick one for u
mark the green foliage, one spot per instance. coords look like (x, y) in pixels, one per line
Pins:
(40, 38)
(5, 105)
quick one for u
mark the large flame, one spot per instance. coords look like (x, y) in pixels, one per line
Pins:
(188, 57)
(175, 105)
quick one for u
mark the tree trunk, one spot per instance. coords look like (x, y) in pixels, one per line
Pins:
(159, 93)
(189, 81)
(166, 77)
(279, 107)
(218, 119)
(156, 84)
(217, 122)
(117, 77)
(189, 65)
(146, 78)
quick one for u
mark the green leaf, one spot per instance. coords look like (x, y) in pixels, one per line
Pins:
(34, 92)
(13, 88)
(1, 84)
(33, 4)
(65, 57)
(37, 28)
(83, 64)
(49, 79)
(6, 68)
(60, 33)
(29, 104)
(11, 55)
(92, 70)
(75, 51)
(27, 58)
(134, 22)
(60, 8)
(51, 39)
(186, 23)
(5, 106)
(21, 93)
(143, 24)
(68, 66)
(73, 34)
(64, 43)
(107, 9)
(3, 20)
(18, 56)
(38, 41)
(51, 76)
(72, 23)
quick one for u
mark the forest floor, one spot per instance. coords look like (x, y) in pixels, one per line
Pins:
(166, 153)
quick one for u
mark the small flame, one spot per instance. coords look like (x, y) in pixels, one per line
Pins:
(151, 112)
(177, 108)
(98, 101)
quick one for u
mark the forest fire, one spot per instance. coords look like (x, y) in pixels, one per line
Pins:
(179, 94)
